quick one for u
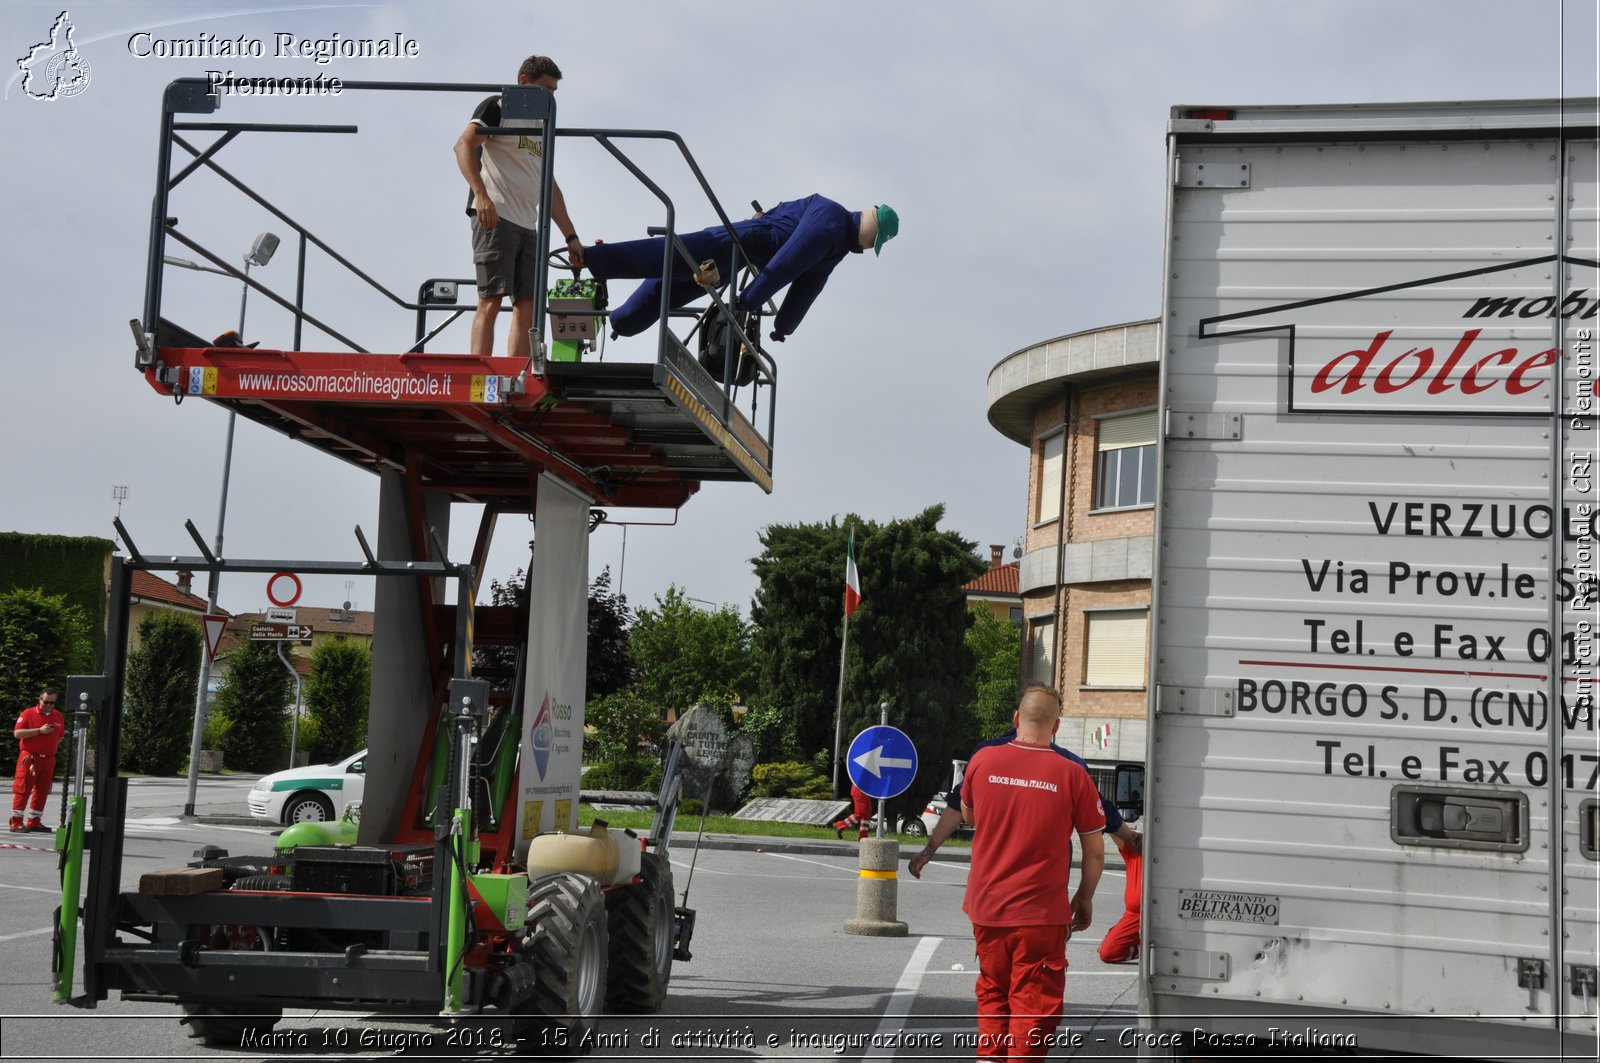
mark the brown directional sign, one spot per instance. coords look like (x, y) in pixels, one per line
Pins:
(280, 632)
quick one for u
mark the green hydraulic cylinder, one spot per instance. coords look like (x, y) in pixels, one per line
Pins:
(456, 929)
(69, 841)
(71, 837)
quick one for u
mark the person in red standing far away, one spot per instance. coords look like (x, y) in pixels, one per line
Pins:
(38, 731)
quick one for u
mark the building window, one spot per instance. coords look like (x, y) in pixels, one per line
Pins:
(1042, 649)
(1049, 501)
(1116, 641)
(1125, 466)
(1016, 615)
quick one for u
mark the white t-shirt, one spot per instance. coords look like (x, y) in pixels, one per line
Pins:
(512, 166)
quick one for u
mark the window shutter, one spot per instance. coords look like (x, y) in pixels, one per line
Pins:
(1128, 430)
(1116, 649)
(1043, 668)
(1050, 450)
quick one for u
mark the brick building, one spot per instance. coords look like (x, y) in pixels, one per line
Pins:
(1085, 407)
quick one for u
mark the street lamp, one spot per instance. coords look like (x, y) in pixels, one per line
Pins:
(260, 254)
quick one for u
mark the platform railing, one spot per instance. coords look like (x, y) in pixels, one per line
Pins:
(190, 96)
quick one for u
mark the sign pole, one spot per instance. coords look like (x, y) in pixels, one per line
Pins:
(883, 763)
(294, 727)
(883, 720)
(202, 702)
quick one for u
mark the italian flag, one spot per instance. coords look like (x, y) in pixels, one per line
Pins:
(852, 579)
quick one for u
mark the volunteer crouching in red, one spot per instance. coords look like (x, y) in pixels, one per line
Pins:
(1121, 944)
(38, 732)
(1017, 796)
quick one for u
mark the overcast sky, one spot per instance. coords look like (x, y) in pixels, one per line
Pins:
(1021, 142)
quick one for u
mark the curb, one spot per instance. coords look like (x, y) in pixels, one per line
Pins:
(684, 842)
(229, 821)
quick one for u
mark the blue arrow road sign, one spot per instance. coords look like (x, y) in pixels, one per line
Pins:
(882, 761)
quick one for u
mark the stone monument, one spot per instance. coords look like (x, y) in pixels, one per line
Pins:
(716, 765)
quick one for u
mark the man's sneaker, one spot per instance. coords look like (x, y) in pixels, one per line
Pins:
(16, 826)
(838, 831)
(36, 827)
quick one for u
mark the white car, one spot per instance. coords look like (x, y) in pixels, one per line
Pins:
(316, 793)
(920, 824)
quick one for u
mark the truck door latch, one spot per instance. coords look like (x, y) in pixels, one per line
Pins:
(1458, 818)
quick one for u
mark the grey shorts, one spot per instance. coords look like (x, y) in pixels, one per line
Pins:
(507, 258)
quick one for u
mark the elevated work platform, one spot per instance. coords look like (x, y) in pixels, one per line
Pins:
(641, 433)
(480, 429)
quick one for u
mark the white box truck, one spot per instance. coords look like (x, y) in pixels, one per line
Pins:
(1371, 781)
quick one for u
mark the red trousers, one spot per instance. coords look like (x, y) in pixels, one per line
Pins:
(862, 814)
(1022, 981)
(1122, 943)
(30, 788)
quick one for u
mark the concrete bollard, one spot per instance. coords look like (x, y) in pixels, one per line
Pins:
(876, 892)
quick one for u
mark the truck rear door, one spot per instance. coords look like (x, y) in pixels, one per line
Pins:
(1373, 760)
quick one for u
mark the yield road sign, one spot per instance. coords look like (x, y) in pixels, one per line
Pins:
(214, 624)
(882, 761)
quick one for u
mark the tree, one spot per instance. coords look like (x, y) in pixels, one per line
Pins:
(608, 668)
(254, 698)
(42, 641)
(619, 727)
(158, 713)
(995, 646)
(907, 638)
(685, 655)
(336, 695)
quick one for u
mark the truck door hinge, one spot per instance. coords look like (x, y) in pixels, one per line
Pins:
(1203, 425)
(1189, 963)
(1530, 974)
(1213, 174)
(1194, 701)
(1584, 981)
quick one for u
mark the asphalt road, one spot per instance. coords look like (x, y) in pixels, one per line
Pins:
(773, 975)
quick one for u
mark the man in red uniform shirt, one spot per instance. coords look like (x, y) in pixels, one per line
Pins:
(1018, 797)
(38, 732)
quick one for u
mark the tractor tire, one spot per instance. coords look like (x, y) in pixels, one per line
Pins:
(227, 1025)
(639, 919)
(566, 942)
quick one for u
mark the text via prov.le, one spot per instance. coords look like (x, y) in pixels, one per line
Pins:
(1487, 667)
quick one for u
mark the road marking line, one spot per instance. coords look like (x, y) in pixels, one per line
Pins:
(819, 863)
(904, 995)
(30, 889)
(28, 933)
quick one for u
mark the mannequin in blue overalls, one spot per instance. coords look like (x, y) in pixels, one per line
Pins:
(795, 244)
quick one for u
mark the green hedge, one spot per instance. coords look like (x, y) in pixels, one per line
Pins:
(70, 566)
